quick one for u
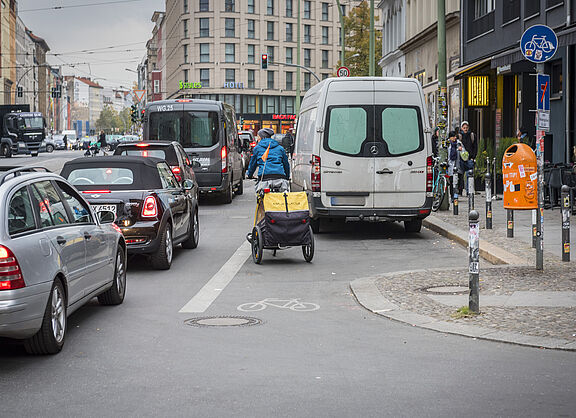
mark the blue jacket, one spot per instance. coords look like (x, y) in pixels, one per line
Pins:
(276, 163)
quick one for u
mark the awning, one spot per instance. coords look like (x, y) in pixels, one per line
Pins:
(507, 58)
(567, 37)
(467, 68)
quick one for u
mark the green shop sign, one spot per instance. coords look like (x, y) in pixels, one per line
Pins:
(183, 85)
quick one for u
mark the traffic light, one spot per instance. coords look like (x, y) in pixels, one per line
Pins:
(142, 115)
(264, 61)
(134, 114)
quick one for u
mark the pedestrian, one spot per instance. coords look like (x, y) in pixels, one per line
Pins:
(454, 149)
(102, 142)
(470, 146)
(65, 140)
(272, 162)
(288, 141)
(435, 137)
(524, 138)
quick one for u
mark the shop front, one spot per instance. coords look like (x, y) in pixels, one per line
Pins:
(280, 123)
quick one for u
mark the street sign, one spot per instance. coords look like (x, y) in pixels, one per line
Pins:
(343, 72)
(544, 120)
(543, 86)
(139, 94)
(538, 43)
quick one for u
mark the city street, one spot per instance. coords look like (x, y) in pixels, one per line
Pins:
(314, 351)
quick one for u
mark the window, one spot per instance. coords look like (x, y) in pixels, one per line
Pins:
(80, 212)
(50, 206)
(307, 8)
(556, 79)
(251, 54)
(306, 81)
(482, 8)
(289, 8)
(230, 75)
(204, 27)
(251, 79)
(250, 6)
(510, 10)
(185, 80)
(289, 54)
(289, 81)
(324, 76)
(531, 7)
(270, 7)
(205, 77)
(552, 3)
(289, 32)
(185, 53)
(101, 176)
(401, 130)
(270, 75)
(204, 52)
(307, 33)
(339, 36)
(185, 26)
(251, 29)
(289, 105)
(307, 59)
(270, 52)
(325, 35)
(324, 59)
(269, 104)
(306, 131)
(251, 104)
(347, 129)
(230, 28)
(325, 11)
(420, 76)
(20, 213)
(270, 31)
(204, 6)
(230, 53)
(191, 128)
(229, 5)
(185, 6)
(343, 7)
(156, 86)
(167, 177)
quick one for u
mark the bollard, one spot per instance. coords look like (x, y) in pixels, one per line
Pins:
(510, 223)
(565, 223)
(534, 228)
(474, 262)
(470, 189)
(494, 194)
(455, 189)
(488, 183)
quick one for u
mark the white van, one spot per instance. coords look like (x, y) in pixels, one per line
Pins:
(363, 151)
(71, 138)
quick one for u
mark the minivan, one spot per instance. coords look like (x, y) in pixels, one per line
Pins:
(207, 131)
(363, 151)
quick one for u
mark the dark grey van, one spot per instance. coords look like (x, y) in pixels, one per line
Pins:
(207, 131)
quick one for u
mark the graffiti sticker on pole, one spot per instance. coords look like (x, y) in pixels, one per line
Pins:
(539, 43)
(343, 72)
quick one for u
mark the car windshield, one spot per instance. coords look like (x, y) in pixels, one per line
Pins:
(192, 129)
(28, 122)
(101, 176)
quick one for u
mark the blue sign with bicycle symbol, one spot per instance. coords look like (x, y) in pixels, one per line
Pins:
(538, 43)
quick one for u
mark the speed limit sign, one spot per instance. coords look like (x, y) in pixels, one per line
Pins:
(343, 72)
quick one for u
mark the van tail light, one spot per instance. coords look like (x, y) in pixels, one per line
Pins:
(224, 155)
(10, 272)
(150, 208)
(429, 176)
(177, 173)
(315, 176)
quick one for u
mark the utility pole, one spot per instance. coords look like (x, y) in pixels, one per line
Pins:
(371, 72)
(342, 64)
(442, 112)
(298, 60)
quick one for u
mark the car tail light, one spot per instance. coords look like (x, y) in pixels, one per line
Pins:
(10, 273)
(429, 174)
(150, 208)
(183, 101)
(252, 144)
(142, 145)
(266, 190)
(95, 191)
(224, 155)
(315, 176)
(176, 170)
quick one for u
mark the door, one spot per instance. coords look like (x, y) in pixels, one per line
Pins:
(177, 200)
(66, 239)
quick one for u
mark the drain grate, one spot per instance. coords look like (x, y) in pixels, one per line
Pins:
(445, 290)
(223, 321)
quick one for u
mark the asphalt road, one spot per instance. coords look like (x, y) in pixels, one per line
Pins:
(333, 359)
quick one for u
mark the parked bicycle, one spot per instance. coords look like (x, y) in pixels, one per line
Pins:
(440, 187)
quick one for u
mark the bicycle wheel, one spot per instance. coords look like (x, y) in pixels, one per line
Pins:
(308, 250)
(257, 245)
(252, 307)
(304, 307)
(439, 191)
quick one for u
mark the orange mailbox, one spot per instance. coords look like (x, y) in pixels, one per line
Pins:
(520, 177)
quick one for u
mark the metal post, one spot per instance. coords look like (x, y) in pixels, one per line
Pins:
(455, 189)
(372, 42)
(510, 223)
(298, 40)
(442, 95)
(534, 228)
(566, 223)
(473, 262)
(488, 183)
(342, 39)
(470, 189)
(540, 160)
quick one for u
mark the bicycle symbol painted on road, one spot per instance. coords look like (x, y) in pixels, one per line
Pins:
(292, 304)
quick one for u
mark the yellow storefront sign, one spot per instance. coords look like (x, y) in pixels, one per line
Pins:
(478, 90)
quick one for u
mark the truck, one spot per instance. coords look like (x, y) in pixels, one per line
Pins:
(21, 131)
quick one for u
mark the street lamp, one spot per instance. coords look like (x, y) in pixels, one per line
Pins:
(132, 71)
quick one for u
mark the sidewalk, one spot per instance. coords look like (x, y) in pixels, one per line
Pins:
(518, 303)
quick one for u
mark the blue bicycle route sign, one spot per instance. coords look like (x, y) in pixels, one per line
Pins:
(538, 43)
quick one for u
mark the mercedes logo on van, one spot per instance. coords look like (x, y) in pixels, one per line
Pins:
(374, 150)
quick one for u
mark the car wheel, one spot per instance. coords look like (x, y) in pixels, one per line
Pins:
(414, 225)
(229, 193)
(194, 234)
(6, 151)
(162, 259)
(115, 295)
(50, 338)
(240, 189)
(49, 148)
(34, 154)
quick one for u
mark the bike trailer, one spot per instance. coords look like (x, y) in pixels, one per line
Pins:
(284, 219)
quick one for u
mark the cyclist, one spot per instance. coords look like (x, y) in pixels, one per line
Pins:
(272, 162)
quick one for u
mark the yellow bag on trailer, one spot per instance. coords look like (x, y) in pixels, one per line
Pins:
(277, 202)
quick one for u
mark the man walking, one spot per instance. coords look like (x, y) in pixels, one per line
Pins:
(470, 144)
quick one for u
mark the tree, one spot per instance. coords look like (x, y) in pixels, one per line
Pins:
(108, 120)
(125, 119)
(357, 34)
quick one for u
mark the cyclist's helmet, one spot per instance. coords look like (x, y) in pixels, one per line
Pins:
(265, 133)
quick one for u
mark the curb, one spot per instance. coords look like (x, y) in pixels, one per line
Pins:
(368, 295)
(488, 251)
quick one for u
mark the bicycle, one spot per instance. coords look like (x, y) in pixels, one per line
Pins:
(440, 185)
(539, 43)
(292, 304)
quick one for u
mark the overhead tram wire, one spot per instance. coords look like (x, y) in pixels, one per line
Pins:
(78, 5)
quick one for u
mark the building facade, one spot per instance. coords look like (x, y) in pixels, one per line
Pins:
(393, 62)
(8, 14)
(26, 72)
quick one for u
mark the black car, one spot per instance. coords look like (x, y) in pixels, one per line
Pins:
(171, 152)
(154, 211)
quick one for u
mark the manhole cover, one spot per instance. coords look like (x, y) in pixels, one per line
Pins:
(446, 290)
(223, 321)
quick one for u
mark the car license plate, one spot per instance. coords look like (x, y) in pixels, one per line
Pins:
(105, 208)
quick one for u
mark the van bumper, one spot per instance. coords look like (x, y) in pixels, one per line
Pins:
(206, 186)
(371, 214)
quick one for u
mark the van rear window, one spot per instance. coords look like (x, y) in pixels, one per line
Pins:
(192, 129)
(347, 129)
(400, 129)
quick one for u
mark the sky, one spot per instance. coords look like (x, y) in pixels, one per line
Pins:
(124, 25)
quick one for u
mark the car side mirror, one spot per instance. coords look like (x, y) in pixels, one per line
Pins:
(106, 217)
(188, 184)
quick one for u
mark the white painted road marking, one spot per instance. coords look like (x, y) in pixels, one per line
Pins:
(292, 304)
(211, 290)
